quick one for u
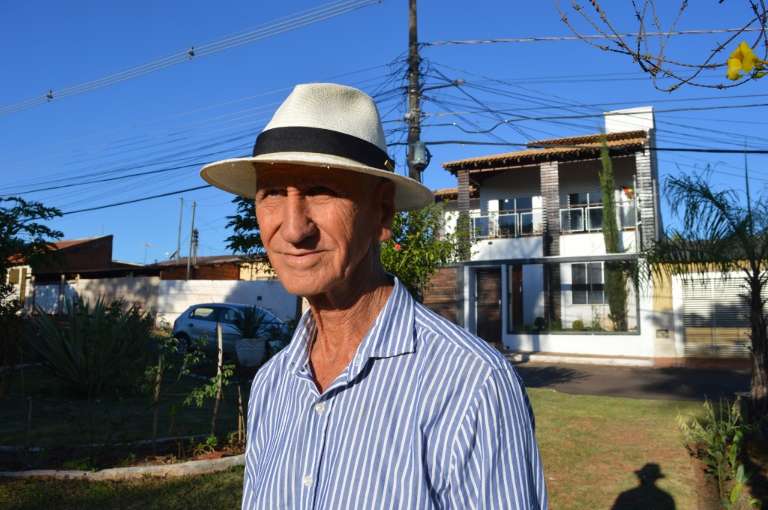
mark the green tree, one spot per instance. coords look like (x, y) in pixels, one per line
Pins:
(246, 237)
(23, 240)
(418, 247)
(615, 277)
(721, 233)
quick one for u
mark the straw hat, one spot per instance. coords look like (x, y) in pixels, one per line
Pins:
(320, 125)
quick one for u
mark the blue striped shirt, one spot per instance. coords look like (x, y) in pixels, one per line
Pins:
(426, 415)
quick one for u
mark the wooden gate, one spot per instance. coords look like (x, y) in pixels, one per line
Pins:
(488, 303)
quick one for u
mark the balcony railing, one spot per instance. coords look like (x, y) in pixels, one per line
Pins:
(503, 224)
(590, 218)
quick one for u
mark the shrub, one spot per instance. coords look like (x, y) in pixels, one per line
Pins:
(254, 323)
(717, 438)
(578, 325)
(95, 351)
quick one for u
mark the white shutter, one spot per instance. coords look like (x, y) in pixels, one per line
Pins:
(715, 317)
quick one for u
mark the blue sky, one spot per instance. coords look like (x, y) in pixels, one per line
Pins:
(185, 113)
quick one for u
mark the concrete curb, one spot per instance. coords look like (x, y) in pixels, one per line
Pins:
(519, 357)
(190, 468)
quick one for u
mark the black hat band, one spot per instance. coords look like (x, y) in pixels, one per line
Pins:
(322, 141)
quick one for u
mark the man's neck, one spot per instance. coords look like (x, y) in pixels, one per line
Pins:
(342, 320)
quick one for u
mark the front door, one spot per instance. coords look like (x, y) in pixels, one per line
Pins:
(488, 303)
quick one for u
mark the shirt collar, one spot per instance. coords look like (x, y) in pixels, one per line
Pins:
(392, 334)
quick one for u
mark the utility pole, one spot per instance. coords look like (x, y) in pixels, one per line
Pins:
(195, 244)
(746, 188)
(178, 237)
(191, 240)
(417, 154)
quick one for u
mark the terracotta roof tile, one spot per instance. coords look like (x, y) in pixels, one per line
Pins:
(558, 149)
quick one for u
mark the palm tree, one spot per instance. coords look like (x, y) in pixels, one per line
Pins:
(721, 233)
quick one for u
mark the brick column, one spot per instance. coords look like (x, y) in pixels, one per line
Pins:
(550, 193)
(463, 224)
(646, 198)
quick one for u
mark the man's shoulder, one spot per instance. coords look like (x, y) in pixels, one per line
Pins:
(442, 338)
(273, 367)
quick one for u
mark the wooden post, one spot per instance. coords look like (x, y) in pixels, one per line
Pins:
(28, 432)
(156, 401)
(219, 368)
(240, 414)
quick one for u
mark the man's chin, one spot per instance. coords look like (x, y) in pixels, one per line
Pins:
(304, 283)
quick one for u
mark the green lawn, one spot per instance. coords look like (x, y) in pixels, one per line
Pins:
(591, 447)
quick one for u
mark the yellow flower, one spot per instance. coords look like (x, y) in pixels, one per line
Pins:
(747, 57)
(734, 68)
(742, 59)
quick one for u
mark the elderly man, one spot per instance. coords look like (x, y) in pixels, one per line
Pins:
(377, 402)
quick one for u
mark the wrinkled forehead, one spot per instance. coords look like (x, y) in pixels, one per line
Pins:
(307, 176)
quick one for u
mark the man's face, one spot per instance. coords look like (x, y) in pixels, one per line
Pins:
(318, 225)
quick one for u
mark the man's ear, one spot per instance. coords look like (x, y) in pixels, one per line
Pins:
(385, 191)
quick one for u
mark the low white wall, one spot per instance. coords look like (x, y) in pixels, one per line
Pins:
(175, 296)
(598, 345)
(169, 298)
(641, 344)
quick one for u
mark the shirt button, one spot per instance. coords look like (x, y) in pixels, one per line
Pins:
(320, 407)
(307, 481)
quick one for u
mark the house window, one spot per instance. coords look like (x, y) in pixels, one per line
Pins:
(585, 198)
(581, 211)
(516, 204)
(515, 216)
(587, 286)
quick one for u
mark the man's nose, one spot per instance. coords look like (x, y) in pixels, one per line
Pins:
(297, 224)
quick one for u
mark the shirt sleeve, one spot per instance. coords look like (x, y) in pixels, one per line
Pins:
(495, 458)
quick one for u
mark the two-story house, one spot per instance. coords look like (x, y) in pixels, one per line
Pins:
(539, 277)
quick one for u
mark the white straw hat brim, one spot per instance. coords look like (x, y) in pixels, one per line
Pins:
(240, 175)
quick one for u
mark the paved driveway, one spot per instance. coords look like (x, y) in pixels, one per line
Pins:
(651, 383)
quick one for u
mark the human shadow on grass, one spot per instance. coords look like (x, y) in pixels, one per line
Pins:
(540, 377)
(646, 495)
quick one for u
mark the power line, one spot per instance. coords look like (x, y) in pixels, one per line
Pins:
(142, 199)
(589, 37)
(110, 179)
(279, 26)
(522, 118)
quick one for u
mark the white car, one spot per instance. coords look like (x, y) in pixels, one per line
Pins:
(198, 323)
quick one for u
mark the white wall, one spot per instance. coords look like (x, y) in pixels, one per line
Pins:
(593, 243)
(169, 298)
(519, 247)
(630, 119)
